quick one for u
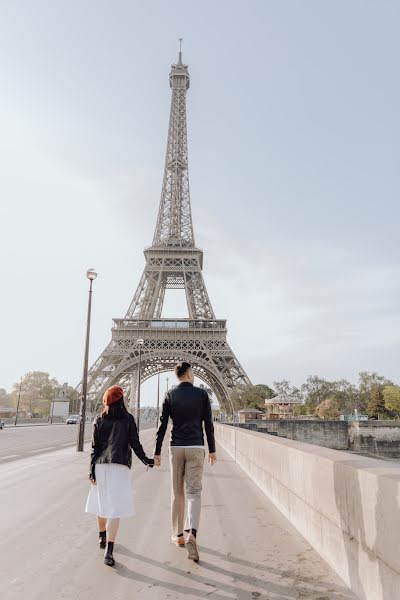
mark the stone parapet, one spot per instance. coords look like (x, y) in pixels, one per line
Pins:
(330, 434)
(375, 438)
(346, 506)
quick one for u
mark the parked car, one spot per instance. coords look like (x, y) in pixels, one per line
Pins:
(1, 424)
(73, 419)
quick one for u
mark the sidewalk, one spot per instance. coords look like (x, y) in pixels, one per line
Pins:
(247, 549)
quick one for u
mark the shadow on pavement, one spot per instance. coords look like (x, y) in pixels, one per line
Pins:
(200, 574)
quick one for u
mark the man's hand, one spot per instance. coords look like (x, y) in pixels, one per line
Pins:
(157, 460)
(93, 482)
(212, 458)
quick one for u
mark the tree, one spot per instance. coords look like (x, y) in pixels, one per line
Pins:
(5, 399)
(328, 409)
(300, 410)
(391, 396)
(376, 405)
(37, 392)
(250, 396)
(284, 387)
(346, 395)
(315, 390)
(367, 381)
(265, 390)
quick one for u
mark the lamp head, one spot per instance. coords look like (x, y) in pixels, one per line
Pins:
(91, 274)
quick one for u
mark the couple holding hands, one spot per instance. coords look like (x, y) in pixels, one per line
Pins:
(115, 435)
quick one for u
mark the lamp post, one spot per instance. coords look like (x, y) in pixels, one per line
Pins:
(158, 394)
(91, 275)
(52, 410)
(140, 343)
(167, 378)
(19, 398)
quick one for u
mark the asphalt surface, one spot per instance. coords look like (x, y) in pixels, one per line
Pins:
(49, 551)
(24, 442)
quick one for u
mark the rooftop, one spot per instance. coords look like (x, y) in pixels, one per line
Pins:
(283, 398)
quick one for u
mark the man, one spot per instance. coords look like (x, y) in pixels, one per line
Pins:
(189, 407)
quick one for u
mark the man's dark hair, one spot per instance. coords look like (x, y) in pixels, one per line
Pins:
(182, 368)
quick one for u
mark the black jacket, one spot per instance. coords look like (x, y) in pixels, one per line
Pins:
(188, 406)
(113, 441)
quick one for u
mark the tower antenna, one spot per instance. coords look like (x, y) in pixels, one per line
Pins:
(180, 51)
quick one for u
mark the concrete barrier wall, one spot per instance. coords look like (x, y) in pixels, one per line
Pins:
(331, 434)
(346, 506)
(376, 438)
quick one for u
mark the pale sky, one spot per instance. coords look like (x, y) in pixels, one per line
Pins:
(294, 134)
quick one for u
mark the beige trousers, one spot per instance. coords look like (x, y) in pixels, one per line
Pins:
(186, 471)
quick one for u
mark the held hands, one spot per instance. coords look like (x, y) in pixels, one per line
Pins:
(212, 458)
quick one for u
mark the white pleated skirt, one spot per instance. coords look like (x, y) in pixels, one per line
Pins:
(112, 497)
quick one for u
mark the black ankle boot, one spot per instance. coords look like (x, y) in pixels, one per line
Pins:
(108, 557)
(102, 539)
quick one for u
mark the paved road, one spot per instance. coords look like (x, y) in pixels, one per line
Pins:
(48, 545)
(23, 442)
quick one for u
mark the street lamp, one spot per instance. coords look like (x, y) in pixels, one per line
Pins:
(19, 398)
(158, 394)
(167, 378)
(91, 275)
(140, 343)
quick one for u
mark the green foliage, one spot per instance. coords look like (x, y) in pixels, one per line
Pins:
(344, 396)
(251, 396)
(376, 406)
(391, 396)
(315, 390)
(300, 410)
(328, 409)
(5, 399)
(284, 387)
(367, 381)
(265, 390)
(38, 389)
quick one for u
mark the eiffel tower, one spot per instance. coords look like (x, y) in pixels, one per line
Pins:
(172, 262)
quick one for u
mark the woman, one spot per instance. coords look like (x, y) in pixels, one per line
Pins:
(110, 498)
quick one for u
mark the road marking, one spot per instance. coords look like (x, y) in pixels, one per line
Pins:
(42, 449)
(8, 456)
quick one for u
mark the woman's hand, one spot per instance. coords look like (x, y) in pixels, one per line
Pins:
(93, 482)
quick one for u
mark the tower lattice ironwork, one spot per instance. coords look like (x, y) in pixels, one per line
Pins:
(172, 261)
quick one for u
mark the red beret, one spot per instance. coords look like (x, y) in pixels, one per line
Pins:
(112, 395)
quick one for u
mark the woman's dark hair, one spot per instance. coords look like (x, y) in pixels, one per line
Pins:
(182, 368)
(115, 411)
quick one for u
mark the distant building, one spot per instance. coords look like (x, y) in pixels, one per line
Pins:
(281, 406)
(7, 412)
(249, 414)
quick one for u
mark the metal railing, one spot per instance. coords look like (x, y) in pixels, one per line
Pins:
(169, 324)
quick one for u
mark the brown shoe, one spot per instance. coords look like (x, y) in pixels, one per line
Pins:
(191, 547)
(178, 540)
